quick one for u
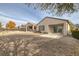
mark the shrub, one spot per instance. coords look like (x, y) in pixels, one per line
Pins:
(0, 25)
(75, 34)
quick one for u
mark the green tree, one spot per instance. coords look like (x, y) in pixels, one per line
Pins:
(0, 25)
(56, 8)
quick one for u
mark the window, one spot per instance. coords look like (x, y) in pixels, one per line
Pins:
(41, 28)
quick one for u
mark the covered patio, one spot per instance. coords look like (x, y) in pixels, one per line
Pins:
(56, 28)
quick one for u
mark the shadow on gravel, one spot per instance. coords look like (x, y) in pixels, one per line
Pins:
(29, 45)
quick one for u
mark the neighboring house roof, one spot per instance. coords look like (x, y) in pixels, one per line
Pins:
(30, 23)
(24, 25)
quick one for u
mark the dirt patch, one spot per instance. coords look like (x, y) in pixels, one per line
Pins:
(24, 45)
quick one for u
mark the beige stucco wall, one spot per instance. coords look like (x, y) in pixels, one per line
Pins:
(49, 21)
(69, 29)
(65, 29)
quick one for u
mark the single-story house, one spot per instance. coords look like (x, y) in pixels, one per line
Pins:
(30, 26)
(22, 27)
(50, 25)
(54, 25)
(27, 27)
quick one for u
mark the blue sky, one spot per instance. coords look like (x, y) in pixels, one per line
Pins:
(22, 14)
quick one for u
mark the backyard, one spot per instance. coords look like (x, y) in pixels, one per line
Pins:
(32, 44)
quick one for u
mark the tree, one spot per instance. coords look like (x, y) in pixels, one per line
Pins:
(10, 25)
(0, 25)
(56, 8)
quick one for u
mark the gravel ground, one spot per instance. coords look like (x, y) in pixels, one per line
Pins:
(32, 45)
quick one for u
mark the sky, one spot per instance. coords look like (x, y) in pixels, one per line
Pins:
(21, 14)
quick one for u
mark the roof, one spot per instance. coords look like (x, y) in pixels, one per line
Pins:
(68, 21)
(54, 18)
(30, 23)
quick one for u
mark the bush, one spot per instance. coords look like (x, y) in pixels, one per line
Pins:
(75, 34)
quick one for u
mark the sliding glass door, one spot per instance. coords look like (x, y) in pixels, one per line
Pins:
(56, 28)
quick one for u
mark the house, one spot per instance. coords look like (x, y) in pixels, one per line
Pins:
(50, 25)
(22, 27)
(27, 27)
(30, 26)
(54, 25)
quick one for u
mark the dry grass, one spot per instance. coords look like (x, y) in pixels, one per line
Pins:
(6, 33)
(24, 45)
